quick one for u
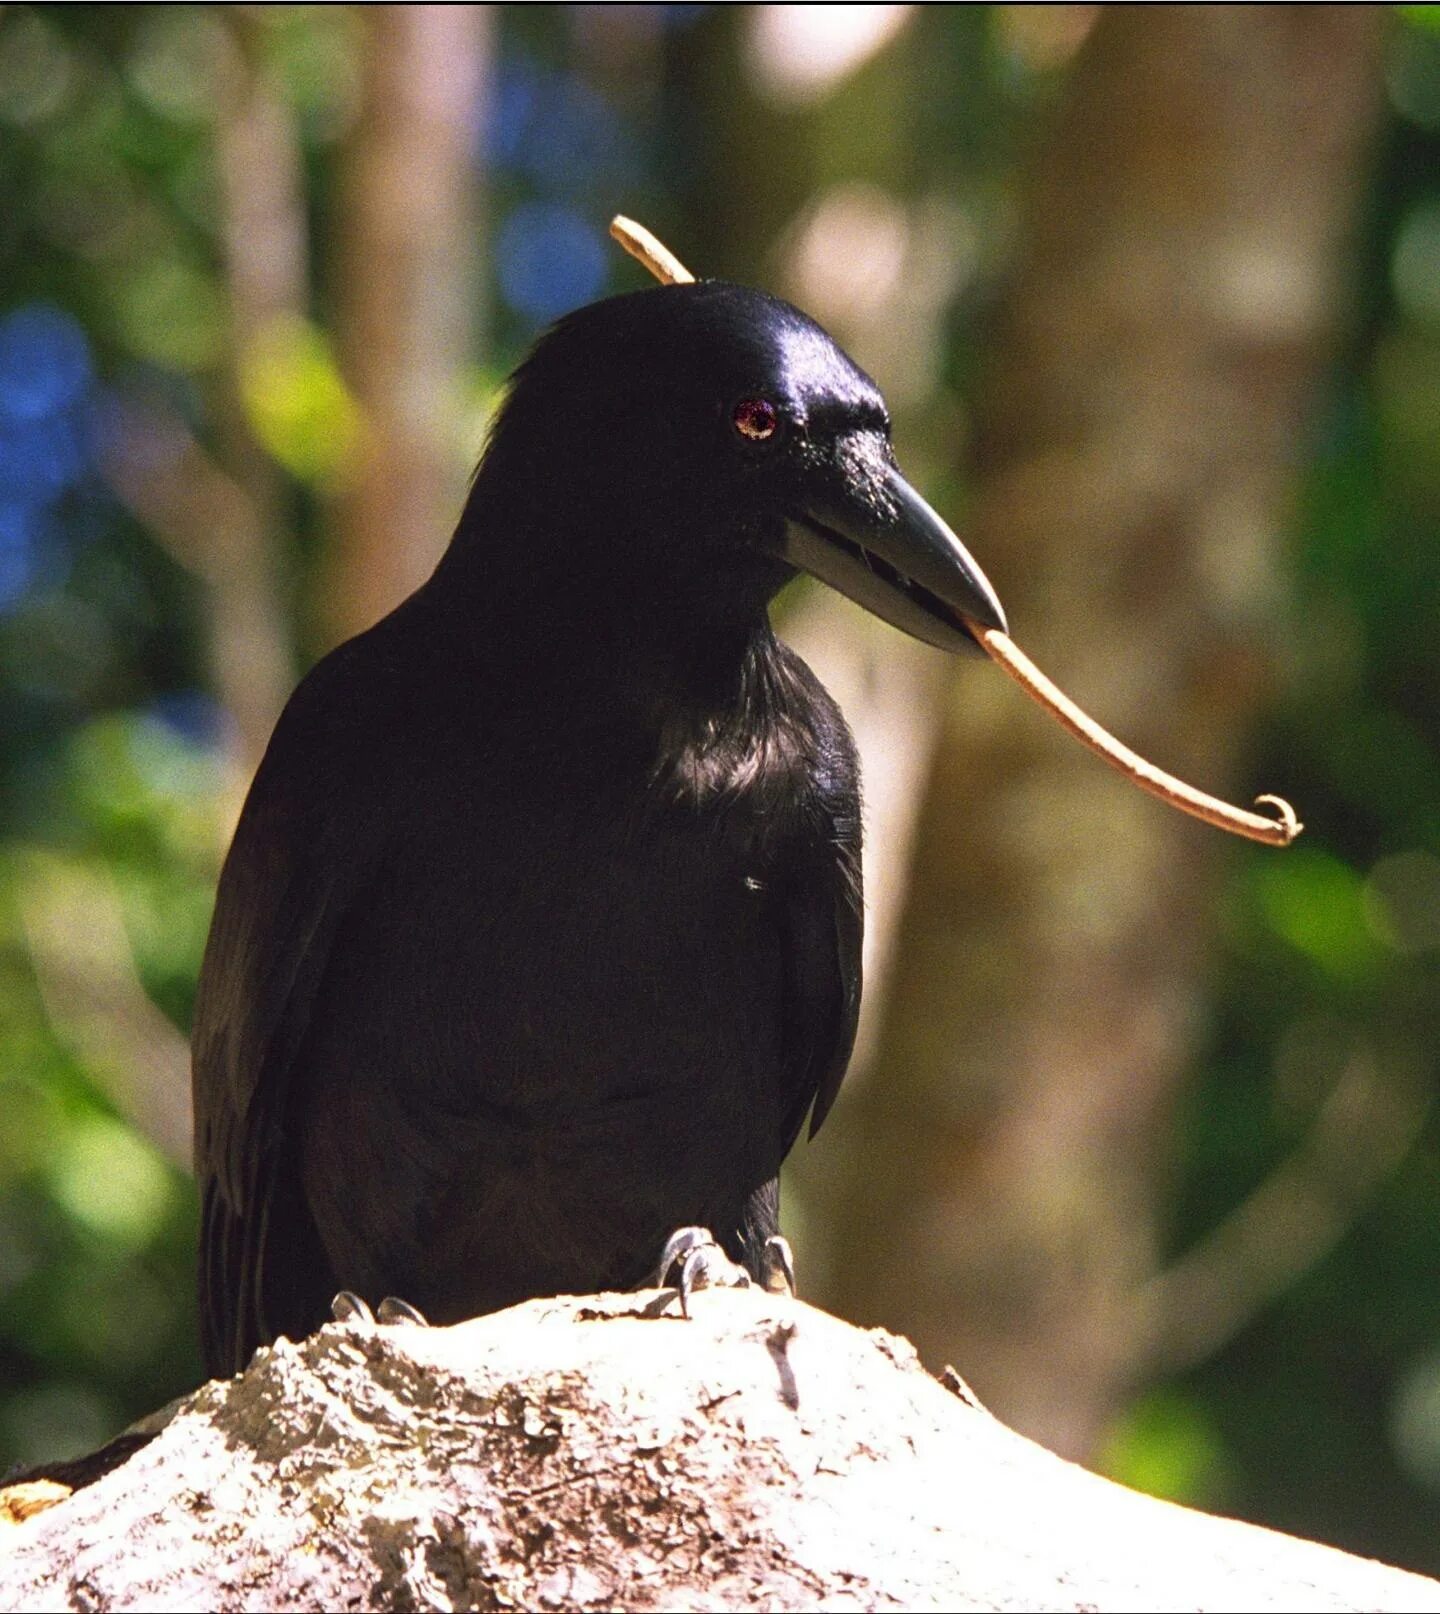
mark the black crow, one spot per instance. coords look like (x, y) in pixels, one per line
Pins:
(540, 932)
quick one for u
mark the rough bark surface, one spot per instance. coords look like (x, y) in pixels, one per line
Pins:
(604, 1452)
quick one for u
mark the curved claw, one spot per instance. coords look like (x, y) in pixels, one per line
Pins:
(708, 1267)
(777, 1266)
(677, 1247)
(348, 1307)
(393, 1312)
(701, 1263)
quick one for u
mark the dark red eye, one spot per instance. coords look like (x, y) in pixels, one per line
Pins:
(756, 418)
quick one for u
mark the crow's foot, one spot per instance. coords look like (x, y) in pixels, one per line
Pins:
(692, 1259)
(777, 1266)
(348, 1307)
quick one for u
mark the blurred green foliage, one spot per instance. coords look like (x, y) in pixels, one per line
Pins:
(1323, 1413)
(298, 404)
(96, 1226)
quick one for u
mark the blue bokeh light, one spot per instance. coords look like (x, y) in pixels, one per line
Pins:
(39, 459)
(21, 531)
(46, 404)
(511, 110)
(196, 717)
(575, 138)
(557, 131)
(44, 362)
(549, 259)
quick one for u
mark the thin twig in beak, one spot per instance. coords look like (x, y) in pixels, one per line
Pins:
(1277, 831)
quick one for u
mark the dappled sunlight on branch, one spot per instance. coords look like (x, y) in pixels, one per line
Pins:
(1366, 1126)
(209, 523)
(85, 969)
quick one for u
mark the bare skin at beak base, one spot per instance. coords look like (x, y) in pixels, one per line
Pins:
(899, 559)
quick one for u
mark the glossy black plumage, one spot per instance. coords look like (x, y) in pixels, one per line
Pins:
(540, 933)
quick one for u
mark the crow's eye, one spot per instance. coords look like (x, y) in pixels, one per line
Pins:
(756, 418)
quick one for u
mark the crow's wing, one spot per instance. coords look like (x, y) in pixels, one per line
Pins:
(824, 928)
(823, 923)
(302, 853)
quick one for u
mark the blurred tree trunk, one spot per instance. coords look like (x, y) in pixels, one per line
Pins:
(993, 1187)
(219, 509)
(265, 244)
(262, 192)
(405, 300)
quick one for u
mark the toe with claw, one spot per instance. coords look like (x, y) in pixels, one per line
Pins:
(396, 1313)
(392, 1312)
(348, 1307)
(777, 1266)
(693, 1259)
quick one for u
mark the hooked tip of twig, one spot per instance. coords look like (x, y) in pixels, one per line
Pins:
(1286, 819)
(1278, 830)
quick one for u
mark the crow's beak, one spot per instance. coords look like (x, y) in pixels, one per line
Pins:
(887, 550)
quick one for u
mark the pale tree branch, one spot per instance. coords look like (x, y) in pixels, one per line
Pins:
(601, 1452)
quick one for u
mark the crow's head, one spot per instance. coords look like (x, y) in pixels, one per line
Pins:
(710, 438)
